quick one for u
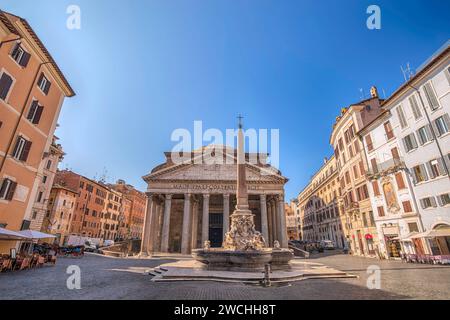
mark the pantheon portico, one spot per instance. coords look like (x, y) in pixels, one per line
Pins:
(191, 202)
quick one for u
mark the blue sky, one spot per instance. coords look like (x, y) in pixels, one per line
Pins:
(144, 68)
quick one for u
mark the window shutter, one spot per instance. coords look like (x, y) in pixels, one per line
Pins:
(428, 165)
(432, 101)
(14, 49)
(5, 84)
(441, 167)
(422, 203)
(26, 151)
(37, 117)
(40, 79)
(433, 201)
(17, 146)
(421, 141)
(429, 133)
(414, 141)
(405, 145)
(400, 181)
(47, 87)
(415, 107)
(3, 187)
(435, 129)
(440, 202)
(12, 189)
(33, 107)
(424, 171)
(25, 59)
(447, 120)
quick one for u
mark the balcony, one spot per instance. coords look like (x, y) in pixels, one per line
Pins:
(386, 167)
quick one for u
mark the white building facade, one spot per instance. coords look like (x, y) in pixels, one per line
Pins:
(396, 213)
(420, 118)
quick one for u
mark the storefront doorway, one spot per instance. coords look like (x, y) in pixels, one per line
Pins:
(215, 229)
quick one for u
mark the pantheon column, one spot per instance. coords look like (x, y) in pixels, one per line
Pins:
(147, 227)
(166, 224)
(275, 228)
(226, 213)
(282, 222)
(270, 222)
(194, 224)
(205, 219)
(186, 223)
(264, 223)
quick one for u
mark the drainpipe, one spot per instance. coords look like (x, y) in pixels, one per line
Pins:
(11, 40)
(22, 111)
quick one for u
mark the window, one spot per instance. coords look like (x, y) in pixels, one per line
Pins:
(5, 85)
(355, 172)
(34, 215)
(388, 130)
(419, 174)
(381, 211)
(347, 177)
(20, 55)
(44, 179)
(444, 199)
(415, 107)
(350, 151)
(447, 74)
(428, 202)
(436, 168)
(39, 198)
(424, 134)
(442, 125)
(361, 168)
(49, 164)
(44, 84)
(409, 142)
(7, 189)
(400, 182)
(34, 115)
(356, 146)
(401, 117)
(374, 164)
(395, 154)
(431, 97)
(407, 206)
(369, 142)
(412, 226)
(22, 149)
(376, 188)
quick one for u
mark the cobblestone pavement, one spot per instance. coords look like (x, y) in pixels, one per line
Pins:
(108, 278)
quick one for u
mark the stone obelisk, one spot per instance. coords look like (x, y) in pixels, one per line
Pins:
(242, 234)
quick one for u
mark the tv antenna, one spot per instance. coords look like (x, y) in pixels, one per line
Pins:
(407, 72)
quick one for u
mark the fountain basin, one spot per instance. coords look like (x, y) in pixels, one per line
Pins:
(242, 260)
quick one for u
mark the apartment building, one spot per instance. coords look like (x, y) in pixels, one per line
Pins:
(41, 204)
(90, 204)
(138, 200)
(32, 91)
(420, 117)
(395, 210)
(61, 209)
(112, 215)
(318, 206)
(352, 167)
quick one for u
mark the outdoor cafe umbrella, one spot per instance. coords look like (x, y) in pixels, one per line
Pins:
(6, 234)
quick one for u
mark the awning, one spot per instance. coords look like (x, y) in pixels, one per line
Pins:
(6, 234)
(32, 234)
(441, 232)
(406, 237)
(421, 235)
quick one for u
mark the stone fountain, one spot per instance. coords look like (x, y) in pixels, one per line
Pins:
(244, 248)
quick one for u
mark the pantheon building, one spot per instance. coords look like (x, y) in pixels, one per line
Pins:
(191, 202)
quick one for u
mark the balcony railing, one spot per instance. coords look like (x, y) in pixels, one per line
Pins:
(390, 165)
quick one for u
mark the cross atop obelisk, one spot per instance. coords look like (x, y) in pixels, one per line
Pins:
(240, 117)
